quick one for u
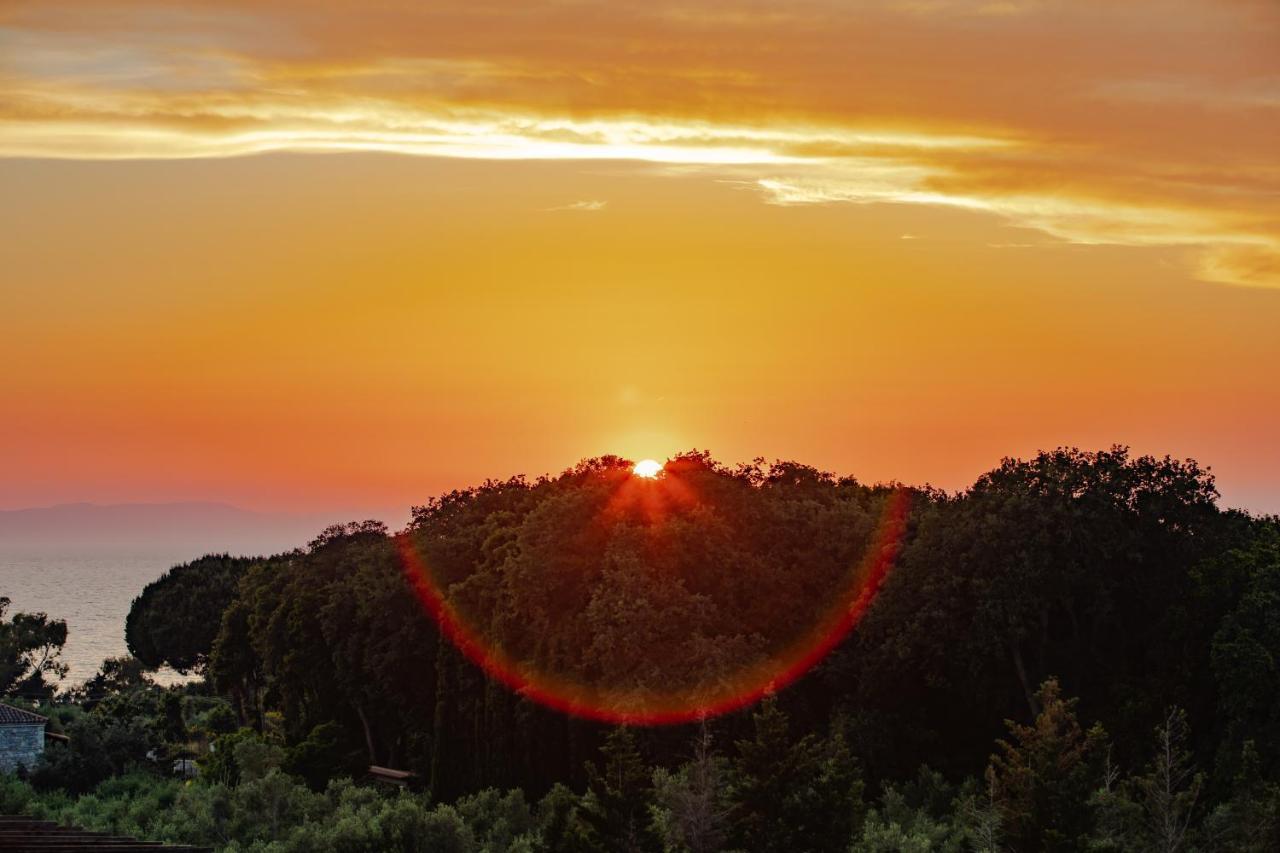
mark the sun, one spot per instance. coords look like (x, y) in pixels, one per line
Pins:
(647, 468)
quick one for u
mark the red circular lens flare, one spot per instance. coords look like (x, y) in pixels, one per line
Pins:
(743, 689)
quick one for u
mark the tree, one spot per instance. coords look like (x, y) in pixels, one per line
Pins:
(560, 828)
(1171, 788)
(1249, 820)
(100, 746)
(693, 801)
(1043, 774)
(1245, 649)
(619, 800)
(792, 794)
(116, 675)
(919, 815)
(1082, 565)
(234, 665)
(501, 821)
(175, 620)
(1114, 571)
(30, 644)
(1154, 811)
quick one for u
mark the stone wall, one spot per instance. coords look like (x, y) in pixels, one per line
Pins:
(20, 745)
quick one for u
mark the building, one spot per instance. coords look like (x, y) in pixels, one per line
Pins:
(21, 738)
(389, 776)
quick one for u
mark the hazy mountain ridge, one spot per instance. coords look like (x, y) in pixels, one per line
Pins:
(189, 527)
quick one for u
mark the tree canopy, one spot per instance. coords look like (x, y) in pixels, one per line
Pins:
(1000, 693)
(175, 619)
(30, 644)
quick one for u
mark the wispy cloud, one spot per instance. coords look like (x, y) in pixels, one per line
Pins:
(1160, 134)
(584, 206)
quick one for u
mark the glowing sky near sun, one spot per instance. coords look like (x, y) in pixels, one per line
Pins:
(298, 255)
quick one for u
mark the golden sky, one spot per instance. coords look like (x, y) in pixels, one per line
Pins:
(338, 253)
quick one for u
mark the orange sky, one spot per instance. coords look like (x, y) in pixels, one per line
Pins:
(305, 255)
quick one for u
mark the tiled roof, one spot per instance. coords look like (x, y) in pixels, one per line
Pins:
(25, 833)
(10, 716)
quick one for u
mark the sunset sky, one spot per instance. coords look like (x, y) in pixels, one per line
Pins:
(331, 254)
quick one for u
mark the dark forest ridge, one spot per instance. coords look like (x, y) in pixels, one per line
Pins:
(1077, 653)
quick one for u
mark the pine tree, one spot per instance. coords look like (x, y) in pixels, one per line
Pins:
(1044, 773)
(616, 809)
(694, 800)
(801, 795)
(1250, 820)
(1154, 811)
(1170, 789)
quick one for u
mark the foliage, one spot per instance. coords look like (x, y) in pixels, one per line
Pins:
(1042, 776)
(693, 811)
(619, 801)
(116, 676)
(792, 794)
(30, 644)
(217, 719)
(175, 619)
(1245, 649)
(1153, 811)
(1249, 820)
(100, 746)
(1105, 577)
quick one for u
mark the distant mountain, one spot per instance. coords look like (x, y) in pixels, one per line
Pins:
(193, 528)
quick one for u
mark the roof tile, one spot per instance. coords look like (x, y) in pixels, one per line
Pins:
(10, 715)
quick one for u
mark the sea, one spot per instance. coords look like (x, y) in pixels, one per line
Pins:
(91, 593)
(86, 563)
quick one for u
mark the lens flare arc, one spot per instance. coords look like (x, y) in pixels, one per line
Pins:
(747, 687)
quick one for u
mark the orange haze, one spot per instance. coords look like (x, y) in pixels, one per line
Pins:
(301, 255)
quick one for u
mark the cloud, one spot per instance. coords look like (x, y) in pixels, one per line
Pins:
(587, 206)
(1143, 123)
(1255, 265)
(1235, 247)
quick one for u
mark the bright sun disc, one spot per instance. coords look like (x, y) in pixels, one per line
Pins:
(648, 468)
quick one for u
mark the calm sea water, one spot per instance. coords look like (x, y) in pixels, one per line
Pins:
(92, 593)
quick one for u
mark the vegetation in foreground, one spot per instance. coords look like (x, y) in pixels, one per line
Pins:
(942, 723)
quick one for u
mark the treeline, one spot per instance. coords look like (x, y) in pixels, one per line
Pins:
(939, 723)
(1049, 785)
(592, 578)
